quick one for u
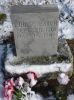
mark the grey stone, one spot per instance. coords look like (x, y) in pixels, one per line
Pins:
(35, 30)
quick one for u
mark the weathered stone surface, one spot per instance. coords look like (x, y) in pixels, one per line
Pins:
(35, 30)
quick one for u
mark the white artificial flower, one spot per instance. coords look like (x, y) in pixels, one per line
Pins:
(70, 97)
(33, 82)
(19, 83)
(32, 79)
(63, 79)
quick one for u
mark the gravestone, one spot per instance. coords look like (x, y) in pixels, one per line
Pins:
(35, 30)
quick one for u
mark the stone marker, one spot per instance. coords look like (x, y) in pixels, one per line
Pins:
(35, 30)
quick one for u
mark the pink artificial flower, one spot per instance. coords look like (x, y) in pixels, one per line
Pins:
(32, 77)
(8, 89)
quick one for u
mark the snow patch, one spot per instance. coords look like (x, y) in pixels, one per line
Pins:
(70, 97)
(39, 69)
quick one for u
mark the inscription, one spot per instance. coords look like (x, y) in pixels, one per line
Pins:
(42, 27)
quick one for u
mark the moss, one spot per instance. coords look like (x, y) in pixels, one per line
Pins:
(60, 92)
(40, 60)
(2, 18)
(31, 60)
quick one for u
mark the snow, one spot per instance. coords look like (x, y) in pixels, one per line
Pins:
(10, 57)
(66, 29)
(5, 29)
(66, 8)
(37, 97)
(70, 97)
(63, 79)
(39, 69)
